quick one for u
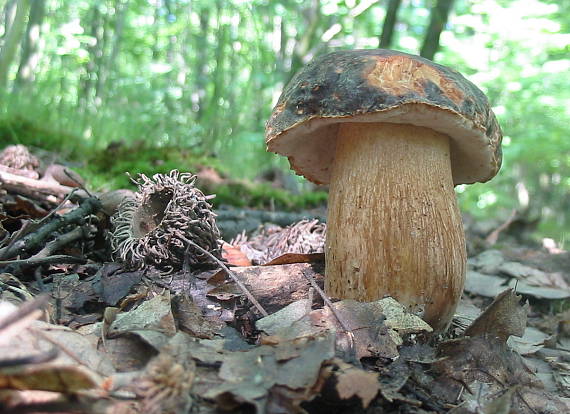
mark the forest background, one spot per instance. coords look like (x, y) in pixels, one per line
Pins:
(151, 85)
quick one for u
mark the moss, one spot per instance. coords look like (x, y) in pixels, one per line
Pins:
(263, 195)
(34, 134)
(106, 168)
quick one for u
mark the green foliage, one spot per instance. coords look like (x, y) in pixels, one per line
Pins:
(107, 169)
(263, 195)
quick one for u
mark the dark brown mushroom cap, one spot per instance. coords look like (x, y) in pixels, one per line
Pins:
(382, 86)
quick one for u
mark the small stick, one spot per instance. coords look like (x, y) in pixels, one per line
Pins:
(64, 239)
(230, 273)
(327, 301)
(56, 259)
(60, 205)
(33, 239)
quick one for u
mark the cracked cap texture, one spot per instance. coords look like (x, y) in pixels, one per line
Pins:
(382, 86)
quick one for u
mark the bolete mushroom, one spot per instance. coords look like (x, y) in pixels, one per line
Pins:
(392, 133)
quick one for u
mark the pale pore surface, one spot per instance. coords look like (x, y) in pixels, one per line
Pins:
(394, 228)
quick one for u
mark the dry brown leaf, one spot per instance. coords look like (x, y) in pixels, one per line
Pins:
(273, 286)
(355, 382)
(76, 365)
(290, 258)
(234, 256)
(251, 376)
(189, 318)
(503, 318)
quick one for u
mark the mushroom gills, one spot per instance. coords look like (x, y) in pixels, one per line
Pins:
(394, 227)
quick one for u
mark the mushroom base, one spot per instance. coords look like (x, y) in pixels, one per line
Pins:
(394, 228)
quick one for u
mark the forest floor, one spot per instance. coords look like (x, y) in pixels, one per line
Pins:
(244, 328)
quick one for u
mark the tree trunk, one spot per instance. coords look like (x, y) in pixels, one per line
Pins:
(312, 17)
(389, 24)
(121, 7)
(12, 40)
(8, 13)
(201, 68)
(88, 80)
(30, 48)
(438, 18)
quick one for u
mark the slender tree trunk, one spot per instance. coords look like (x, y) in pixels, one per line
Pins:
(438, 18)
(201, 68)
(213, 116)
(312, 17)
(389, 23)
(121, 7)
(12, 40)
(31, 45)
(100, 61)
(8, 13)
(88, 81)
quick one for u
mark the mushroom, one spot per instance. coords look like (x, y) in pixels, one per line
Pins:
(392, 133)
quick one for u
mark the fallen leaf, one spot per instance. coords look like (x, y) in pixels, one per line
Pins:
(355, 382)
(484, 285)
(234, 256)
(290, 258)
(531, 341)
(75, 365)
(154, 314)
(502, 318)
(189, 318)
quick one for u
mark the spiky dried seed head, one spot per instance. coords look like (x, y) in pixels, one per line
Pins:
(152, 228)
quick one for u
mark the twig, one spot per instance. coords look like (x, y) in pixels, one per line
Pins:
(63, 240)
(326, 300)
(24, 185)
(231, 275)
(494, 235)
(32, 240)
(55, 210)
(56, 259)
(333, 310)
(79, 183)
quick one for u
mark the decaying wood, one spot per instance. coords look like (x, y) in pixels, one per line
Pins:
(277, 286)
(21, 172)
(237, 281)
(394, 228)
(37, 189)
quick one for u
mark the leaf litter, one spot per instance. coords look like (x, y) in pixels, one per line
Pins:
(117, 340)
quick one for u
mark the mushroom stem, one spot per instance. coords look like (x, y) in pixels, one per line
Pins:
(394, 228)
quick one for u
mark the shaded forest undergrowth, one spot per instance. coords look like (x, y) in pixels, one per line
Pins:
(243, 328)
(106, 167)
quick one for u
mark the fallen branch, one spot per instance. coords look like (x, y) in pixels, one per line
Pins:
(36, 238)
(36, 261)
(77, 233)
(32, 187)
(21, 172)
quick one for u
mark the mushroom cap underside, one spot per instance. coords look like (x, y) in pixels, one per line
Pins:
(389, 87)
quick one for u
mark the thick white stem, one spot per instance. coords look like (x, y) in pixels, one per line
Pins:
(394, 228)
